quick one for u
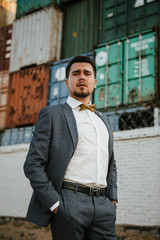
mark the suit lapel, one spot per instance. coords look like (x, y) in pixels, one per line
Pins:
(71, 123)
(106, 122)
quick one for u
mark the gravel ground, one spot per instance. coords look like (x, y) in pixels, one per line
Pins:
(21, 230)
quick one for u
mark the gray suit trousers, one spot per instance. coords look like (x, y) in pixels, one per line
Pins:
(83, 217)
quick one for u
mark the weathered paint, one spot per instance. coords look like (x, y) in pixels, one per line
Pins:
(80, 30)
(36, 39)
(139, 74)
(25, 7)
(126, 72)
(5, 47)
(120, 17)
(4, 90)
(7, 12)
(109, 75)
(28, 94)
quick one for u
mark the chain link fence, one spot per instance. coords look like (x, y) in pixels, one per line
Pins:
(134, 118)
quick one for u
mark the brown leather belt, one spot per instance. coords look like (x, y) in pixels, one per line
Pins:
(89, 190)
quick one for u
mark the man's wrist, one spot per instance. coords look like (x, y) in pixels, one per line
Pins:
(115, 203)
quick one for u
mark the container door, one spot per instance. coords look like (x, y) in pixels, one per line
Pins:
(139, 64)
(80, 27)
(58, 92)
(108, 93)
(4, 90)
(113, 20)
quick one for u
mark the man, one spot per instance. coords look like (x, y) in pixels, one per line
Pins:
(71, 165)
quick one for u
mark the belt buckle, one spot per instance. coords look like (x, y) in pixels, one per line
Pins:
(95, 191)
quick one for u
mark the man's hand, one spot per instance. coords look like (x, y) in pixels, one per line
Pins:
(114, 203)
(55, 210)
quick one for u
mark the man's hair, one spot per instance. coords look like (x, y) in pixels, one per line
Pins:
(80, 59)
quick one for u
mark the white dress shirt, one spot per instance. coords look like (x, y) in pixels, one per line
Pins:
(89, 164)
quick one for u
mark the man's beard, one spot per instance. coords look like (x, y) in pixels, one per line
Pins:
(81, 94)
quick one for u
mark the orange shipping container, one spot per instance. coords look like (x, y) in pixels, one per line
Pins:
(28, 94)
(4, 89)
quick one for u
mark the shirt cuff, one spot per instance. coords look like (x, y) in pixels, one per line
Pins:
(54, 206)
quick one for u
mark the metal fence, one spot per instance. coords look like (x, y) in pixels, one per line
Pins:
(134, 118)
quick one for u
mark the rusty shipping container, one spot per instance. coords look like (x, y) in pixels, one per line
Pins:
(7, 12)
(4, 89)
(5, 47)
(27, 95)
(36, 39)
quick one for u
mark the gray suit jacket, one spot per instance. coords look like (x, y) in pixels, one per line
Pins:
(53, 144)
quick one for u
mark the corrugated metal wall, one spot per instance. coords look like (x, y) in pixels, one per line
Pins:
(4, 90)
(25, 7)
(120, 17)
(81, 27)
(5, 47)
(28, 94)
(126, 72)
(123, 80)
(36, 39)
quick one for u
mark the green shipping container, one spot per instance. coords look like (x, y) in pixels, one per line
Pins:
(120, 17)
(139, 64)
(109, 78)
(80, 27)
(126, 72)
(25, 7)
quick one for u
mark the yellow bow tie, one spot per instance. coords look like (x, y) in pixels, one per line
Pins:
(89, 107)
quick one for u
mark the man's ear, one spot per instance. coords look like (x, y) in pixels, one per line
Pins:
(66, 81)
(95, 83)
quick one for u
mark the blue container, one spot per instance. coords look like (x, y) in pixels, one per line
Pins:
(16, 136)
(20, 135)
(28, 133)
(5, 137)
(58, 93)
(114, 120)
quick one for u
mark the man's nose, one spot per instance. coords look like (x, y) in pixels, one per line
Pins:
(81, 75)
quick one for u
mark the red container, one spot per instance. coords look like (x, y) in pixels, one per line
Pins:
(4, 89)
(28, 94)
(5, 47)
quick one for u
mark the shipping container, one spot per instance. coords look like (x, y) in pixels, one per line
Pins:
(7, 12)
(58, 93)
(80, 27)
(16, 136)
(120, 17)
(5, 47)
(36, 39)
(140, 66)
(127, 72)
(28, 94)
(109, 75)
(4, 91)
(25, 7)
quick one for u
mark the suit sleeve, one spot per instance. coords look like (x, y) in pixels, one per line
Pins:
(37, 160)
(112, 194)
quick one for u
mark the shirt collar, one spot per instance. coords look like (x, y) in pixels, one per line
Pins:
(73, 103)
